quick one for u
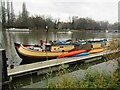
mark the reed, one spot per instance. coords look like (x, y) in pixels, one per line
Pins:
(114, 43)
(96, 80)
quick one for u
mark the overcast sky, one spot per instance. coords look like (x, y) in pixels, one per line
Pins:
(106, 10)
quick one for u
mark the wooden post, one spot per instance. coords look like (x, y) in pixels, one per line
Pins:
(3, 67)
(46, 42)
(0, 70)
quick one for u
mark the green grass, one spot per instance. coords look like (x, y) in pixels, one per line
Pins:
(95, 80)
(91, 80)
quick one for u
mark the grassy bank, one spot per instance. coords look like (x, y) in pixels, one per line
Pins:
(91, 80)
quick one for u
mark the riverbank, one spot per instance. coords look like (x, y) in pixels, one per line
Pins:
(92, 79)
(83, 78)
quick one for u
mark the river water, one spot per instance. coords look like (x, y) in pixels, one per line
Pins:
(7, 39)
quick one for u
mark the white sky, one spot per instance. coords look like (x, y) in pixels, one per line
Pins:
(106, 10)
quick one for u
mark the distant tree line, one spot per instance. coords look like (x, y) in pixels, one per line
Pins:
(9, 20)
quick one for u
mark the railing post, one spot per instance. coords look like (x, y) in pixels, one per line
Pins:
(3, 68)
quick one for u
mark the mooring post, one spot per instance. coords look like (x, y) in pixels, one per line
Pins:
(3, 68)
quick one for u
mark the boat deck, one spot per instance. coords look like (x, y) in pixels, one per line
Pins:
(21, 69)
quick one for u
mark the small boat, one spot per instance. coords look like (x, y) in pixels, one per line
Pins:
(18, 30)
(96, 50)
(69, 42)
(81, 54)
(63, 42)
(97, 40)
(71, 53)
(34, 53)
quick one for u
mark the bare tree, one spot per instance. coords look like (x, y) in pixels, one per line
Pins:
(3, 14)
(24, 16)
(12, 16)
(8, 14)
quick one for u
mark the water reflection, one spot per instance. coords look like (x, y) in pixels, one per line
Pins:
(7, 39)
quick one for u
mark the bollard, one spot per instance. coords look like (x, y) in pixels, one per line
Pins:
(3, 68)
